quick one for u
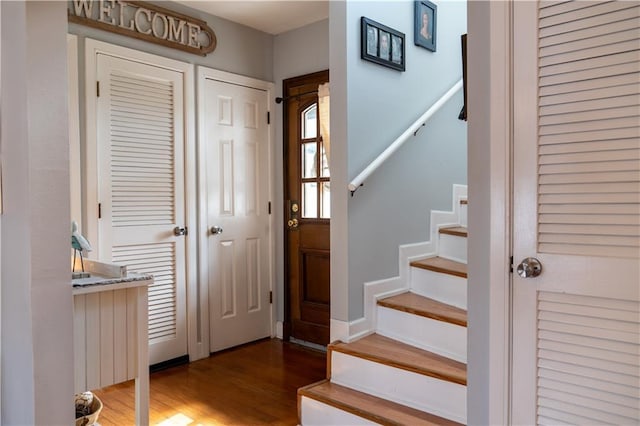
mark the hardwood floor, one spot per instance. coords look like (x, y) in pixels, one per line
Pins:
(254, 384)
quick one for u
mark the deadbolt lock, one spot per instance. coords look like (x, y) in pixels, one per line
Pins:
(295, 207)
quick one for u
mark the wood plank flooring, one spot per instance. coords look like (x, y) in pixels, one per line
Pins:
(254, 384)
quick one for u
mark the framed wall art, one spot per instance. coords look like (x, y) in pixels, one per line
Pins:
(382, 45)
(424, 28)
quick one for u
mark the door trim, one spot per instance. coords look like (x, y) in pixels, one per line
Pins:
(203, 74)
(489, 150)
(90, 191)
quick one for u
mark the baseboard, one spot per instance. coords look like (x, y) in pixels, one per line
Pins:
(279, 330)
(374, 290)
(181, 360)
(338, 330)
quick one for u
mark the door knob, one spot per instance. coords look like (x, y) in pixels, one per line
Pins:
(293, 223)
(215, 230)
(529, 268)
(178, 231)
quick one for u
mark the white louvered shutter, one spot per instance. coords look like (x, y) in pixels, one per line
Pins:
(576, 348)
(141, 181)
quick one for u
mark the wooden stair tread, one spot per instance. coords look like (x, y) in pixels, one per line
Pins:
(391, 352)
(425, 307)
(442, 265)
(458, 231)
(370, 407)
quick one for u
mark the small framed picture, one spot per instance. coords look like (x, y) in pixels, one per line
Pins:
(372, 40)
(397, 49)
(385, 45)
(382, 45)
(424, 28)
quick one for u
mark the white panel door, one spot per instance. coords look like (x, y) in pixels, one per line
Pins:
(141, 188)
(576, 326)
(237, 174)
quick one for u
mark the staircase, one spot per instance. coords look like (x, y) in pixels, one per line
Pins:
(411, 367)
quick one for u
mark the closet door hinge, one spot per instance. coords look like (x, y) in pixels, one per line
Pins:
(268, 117)
(511, 264)
(99, 210)
(269, 207)
(97, 88)
(271, 297)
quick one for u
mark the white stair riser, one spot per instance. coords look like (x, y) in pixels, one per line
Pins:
(453, 247)
(444, 288)
(463, 214)
(435, 336)
(439, 397)
(313, 412)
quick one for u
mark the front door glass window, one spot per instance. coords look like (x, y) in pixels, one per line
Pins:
(315, 174)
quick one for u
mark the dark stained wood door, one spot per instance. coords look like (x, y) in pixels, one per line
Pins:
(307, 212)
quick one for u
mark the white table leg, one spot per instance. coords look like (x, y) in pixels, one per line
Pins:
(142, 379)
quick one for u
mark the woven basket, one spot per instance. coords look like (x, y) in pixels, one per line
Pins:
(89, 419)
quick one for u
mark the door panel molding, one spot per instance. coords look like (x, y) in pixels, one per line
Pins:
(202, 75)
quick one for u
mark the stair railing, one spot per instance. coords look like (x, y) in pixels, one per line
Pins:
(400, 140)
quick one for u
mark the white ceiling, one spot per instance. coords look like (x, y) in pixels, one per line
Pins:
(271, 16)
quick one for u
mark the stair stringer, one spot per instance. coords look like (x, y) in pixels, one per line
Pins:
(407, 253)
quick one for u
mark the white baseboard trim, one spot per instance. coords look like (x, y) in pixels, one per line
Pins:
(374, 290)
(349, 331)
(279, 330)
(338, 330)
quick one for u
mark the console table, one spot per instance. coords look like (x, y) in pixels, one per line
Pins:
(110, 331)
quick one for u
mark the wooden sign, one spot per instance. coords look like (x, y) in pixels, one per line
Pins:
(145, 21)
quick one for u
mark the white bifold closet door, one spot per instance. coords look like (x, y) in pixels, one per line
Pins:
(141, 188)
(576, 327)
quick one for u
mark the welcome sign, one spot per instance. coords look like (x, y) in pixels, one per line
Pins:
(145, 21)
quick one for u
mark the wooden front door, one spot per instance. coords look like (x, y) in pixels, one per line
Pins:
(307, 211)
(576, 324)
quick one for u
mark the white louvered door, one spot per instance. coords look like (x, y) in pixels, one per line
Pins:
(576, 327)
(237, 172)
(141, 189)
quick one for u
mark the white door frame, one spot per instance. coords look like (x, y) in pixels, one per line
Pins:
(203, 74)
(90, 190)
(489, 174)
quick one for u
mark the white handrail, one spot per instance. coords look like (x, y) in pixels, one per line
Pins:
(411, 131)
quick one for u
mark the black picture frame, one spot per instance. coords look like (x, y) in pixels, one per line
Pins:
(382, 45)
(425, 24)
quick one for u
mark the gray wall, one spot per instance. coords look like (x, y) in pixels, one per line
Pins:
(490, 147)
(37, 321)
(245, 51)
(297, 52)
(240, 49)
(393, 206)
(339, 46)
